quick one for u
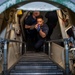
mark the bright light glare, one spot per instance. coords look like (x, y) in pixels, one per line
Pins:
(38, 6)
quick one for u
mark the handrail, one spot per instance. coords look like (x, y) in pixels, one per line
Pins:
(61, 40)
(5, 42)
(66, 45)
(9, 40)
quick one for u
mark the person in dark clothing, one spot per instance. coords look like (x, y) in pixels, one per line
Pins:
(30, 25)
(42, 31)
(51, 22)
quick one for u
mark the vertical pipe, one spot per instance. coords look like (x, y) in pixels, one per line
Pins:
(66, 56)
(49, 49)
(5, 59)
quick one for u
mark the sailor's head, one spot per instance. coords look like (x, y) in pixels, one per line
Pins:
(40, 20)
(36, 13)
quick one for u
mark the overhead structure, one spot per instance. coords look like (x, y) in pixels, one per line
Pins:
(38, 6)
(5, 4)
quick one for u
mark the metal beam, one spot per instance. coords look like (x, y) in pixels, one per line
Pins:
(67, 3)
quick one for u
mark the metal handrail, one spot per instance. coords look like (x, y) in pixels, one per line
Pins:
(61, 40)
(9, 40)
(66, 45)
(5, 42)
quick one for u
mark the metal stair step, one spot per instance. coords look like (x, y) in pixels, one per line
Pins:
(35, 54)
(44, 62)
(37, 73)
(36, 67)
(35, 64)
(35, 59)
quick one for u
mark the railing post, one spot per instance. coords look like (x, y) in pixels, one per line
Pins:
(25, 47)
(49, 49)
(66, 44)
(5, 59)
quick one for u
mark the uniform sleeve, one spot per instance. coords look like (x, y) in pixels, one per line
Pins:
(28, 21)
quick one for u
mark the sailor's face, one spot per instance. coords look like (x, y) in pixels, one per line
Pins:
(36, 13)
(40, 21)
